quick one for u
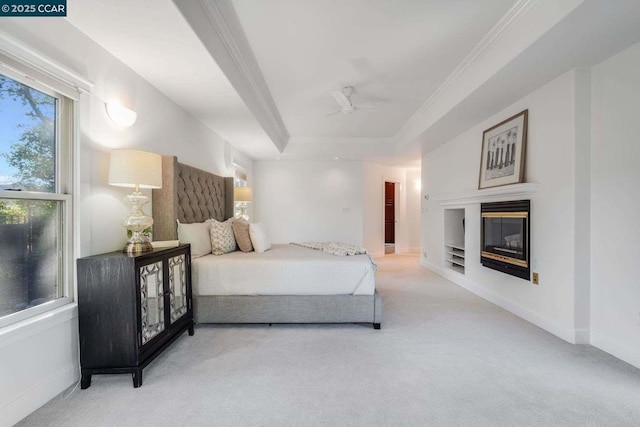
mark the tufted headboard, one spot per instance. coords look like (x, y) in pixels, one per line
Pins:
(188, 195)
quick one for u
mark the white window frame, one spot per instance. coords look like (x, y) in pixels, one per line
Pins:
(66, 146)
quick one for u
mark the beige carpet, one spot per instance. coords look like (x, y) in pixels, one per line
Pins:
(444, 357)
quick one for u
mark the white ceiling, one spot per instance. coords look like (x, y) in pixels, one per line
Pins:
(158, 44)
(260, 73)
(394, 53)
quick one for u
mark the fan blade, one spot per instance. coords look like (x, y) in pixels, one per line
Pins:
(333, 113)
(368, 107)
(372, 100)
(340, 97)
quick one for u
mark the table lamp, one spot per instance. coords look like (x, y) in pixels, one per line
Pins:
(244, 196)
(136, 169)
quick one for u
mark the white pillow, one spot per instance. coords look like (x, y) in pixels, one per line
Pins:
(259, 238)
(222, 239)
(197, 234)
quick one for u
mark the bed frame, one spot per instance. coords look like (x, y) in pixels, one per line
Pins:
(192, 195)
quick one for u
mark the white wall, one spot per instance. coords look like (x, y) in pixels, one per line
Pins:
(335, 200)
(40, 356)
(414, 190)
(309, 200)
(583, 150)
(453, 168)
(615, 203)
(375, 176)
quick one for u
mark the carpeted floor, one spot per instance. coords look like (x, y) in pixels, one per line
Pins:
(444, 357)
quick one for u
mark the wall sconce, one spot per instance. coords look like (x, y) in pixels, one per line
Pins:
(120, 115)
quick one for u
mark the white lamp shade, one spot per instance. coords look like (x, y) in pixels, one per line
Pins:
(242, 194)
(130, 168)
(122, 116)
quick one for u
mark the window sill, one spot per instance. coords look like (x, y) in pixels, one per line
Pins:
(21, 330)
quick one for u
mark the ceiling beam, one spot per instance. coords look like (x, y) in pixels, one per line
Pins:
(218, 28)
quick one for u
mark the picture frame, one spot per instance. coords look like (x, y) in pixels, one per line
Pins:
(504, 146)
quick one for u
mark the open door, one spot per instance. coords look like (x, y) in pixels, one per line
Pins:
(389, 214)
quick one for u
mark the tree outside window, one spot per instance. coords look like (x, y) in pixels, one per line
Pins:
(29, 228)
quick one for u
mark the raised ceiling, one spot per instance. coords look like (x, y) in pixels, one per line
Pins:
(394, 53)
(260, 73)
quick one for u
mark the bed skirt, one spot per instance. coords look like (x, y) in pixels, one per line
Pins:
(289, 309)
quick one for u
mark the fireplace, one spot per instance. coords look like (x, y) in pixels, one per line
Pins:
(504, 237)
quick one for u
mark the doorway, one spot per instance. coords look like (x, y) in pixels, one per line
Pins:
(390, 219)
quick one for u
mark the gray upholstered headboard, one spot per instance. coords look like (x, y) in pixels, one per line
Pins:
(188, 195)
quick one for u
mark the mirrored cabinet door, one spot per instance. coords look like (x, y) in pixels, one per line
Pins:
(178, 301)
(151, 301)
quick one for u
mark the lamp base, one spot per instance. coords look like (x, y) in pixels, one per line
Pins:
(136, 223)
(137, 247)
(243, 211)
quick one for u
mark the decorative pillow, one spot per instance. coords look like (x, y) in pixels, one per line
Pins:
(241, 233)
(197, 234)
(222, 240)
(259, 237)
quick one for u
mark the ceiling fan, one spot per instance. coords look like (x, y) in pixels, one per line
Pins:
(343, 97)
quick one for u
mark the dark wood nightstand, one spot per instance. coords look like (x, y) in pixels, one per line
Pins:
(130, 308)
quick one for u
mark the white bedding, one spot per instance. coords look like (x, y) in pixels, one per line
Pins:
(283, 270)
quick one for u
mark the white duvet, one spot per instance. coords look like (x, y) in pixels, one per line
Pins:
(283, 270)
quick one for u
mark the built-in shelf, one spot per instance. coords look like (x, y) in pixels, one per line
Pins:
(454, 253)
(456, 262)
(456, 246)
(497, 194)
(457, 268)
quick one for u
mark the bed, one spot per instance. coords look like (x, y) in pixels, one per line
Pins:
(286, 284)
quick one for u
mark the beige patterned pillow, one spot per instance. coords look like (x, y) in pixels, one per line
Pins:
(222, 240)
(241, 233)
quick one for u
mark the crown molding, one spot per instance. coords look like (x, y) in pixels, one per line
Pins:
(339, 140)
(233, 54)
(477, 54)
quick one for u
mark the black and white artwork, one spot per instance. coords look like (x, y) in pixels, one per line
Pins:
(503, 152)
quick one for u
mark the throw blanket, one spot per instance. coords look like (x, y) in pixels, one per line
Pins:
(338, 249)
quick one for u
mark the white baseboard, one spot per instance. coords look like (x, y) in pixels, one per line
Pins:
(23, 405)
(558, 329)
(583, 336)
(616, 349)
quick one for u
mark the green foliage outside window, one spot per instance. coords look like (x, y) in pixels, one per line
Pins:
(30, 124)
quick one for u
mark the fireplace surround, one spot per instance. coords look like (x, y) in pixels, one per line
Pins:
(504, 238)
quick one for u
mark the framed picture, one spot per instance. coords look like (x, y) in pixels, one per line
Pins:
(503, 152)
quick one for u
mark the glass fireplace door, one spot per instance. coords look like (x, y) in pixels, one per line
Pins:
(504, 236)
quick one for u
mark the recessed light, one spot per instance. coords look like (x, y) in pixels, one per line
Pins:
(336, 158)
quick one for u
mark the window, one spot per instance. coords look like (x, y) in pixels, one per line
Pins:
(35, 200)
